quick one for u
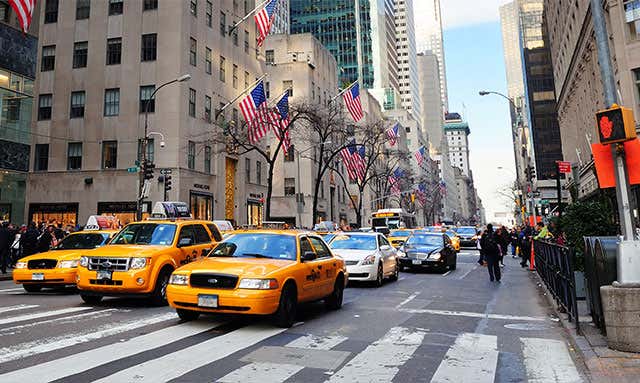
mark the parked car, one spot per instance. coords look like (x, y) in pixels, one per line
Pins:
(428, 250)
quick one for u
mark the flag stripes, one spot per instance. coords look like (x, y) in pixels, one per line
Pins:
(352, 100)
(24, 10)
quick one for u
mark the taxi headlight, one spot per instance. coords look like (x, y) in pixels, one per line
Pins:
(258, 284)
(179, 279)
(436, 256)
(68, 264)
(138, 263)
(84, 261)
(21, 265)
(369, 260)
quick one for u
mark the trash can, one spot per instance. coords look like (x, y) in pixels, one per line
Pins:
(589, 272)
(605, 273)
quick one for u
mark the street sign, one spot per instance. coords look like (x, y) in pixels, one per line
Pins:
(133, 169)
(564, 166)
(544, 202)
(166, 171)
(616, 124)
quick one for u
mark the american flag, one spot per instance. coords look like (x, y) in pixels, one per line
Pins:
(420, 155)
(256, 113)
(443, 188)
(394, 181)
(281, 117)
(393, 135)
(351, 98)
(421, 193)
(264, 20)
(24, 10)
(353, 158)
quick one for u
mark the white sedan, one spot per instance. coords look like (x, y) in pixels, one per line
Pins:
(368, 256)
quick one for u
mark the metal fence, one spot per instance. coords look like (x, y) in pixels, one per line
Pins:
(554, 264)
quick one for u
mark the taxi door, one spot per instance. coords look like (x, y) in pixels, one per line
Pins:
(187, 245)
(327, 265)
(204, 241)
(312, 272)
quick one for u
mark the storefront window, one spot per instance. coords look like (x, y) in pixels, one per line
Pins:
(65, 214)
(125, 212)
(254, 213)
(201, 205)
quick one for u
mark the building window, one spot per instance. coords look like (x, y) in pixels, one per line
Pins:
(192, 102)
(115, 7)
(150, 150)
(114, 51)
(234, 116)
(193, 50)
(77, 104)
(149, 47)
(48, 61)
(247, 170)
(234, 37)
(145, 97)
(80, 50)
(234, 74)
(636, 73)
(207, 159)
(41, 161)
(289, 157)
(267, 89)
(112, 102)
(44, 106)
(259, 172)
(269, 56)
(207, 60)
(149, 5)
(4, 12)
(109, 154)
(191, 155)
(223, 24)
(51, 11)
(288, 85)
(74, 156)
(246, 41)
(289, 186)
(207, 108)
(83, 8)
(209, 14)
(194, 7)
(223, 69)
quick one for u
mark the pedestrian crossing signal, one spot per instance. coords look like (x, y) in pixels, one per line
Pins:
(616, 124)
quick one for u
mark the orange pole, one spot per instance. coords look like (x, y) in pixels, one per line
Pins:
(532, 261)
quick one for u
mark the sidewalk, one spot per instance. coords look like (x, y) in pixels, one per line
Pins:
(603, 364)
(7, 276)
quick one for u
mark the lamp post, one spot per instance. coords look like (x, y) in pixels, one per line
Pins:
(299, 194)
(145, 139)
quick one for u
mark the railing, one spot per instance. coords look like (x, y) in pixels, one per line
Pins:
(554, 264)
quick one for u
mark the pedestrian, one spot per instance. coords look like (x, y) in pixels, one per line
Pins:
(5, 243)
(479, 247)
(525, 244)
(46, 240)
(29, 240)
(543, 232)
(514, 242)
(491, 249)
(16, 246)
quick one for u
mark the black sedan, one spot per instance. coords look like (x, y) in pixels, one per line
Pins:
(428, 250)
(467, 236)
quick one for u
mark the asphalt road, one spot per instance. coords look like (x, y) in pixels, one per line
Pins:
(426, 327)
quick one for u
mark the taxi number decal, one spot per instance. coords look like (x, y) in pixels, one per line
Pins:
(313, 276)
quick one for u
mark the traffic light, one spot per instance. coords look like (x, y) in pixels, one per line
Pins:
(616, 125)
(530, 172)
(147, 169)
(167, 182)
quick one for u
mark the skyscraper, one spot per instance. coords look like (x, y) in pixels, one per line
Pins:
(407, 61)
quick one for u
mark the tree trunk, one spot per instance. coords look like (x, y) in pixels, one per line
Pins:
(316, 189)
(269, 191)
(359, 210)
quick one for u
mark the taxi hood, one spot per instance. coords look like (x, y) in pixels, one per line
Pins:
(128, 251)
(60, 255)
(242, 267)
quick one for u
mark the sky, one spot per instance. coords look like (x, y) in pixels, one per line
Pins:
(474, 61)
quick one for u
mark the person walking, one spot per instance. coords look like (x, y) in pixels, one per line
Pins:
(491, 250)
(479, 247)
(5, 243)
(29, 240)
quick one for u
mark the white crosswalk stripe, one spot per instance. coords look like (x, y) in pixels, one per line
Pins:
(548, 360)
(16, 308)
(65, 319)
(42, 314)
(317, 342)
(472, 358)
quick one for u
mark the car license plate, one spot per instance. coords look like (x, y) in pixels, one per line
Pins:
(104, 274)
(417, 262)
(208, 300)
(37, 277)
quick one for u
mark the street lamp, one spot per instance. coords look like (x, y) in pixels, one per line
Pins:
(300, 200)
(145, 139)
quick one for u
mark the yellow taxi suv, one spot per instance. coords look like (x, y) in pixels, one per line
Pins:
(260, 272)
(455, 240)
(57, 267)
(140, 258)
(397, 238)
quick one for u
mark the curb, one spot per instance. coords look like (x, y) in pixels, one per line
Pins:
(6, 277)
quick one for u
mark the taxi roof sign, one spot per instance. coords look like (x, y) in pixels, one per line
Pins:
(170, 210)
(101, 222)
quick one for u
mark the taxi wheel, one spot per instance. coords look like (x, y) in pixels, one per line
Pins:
(91, 299)
(396, 273)
(159, 297)
(288, 307)
(187, 315)
(334, 301)
(380, 276)
(31, 288)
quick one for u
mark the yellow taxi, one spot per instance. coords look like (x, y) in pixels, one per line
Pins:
(138, 261)
(397, 238)
(264, 272)
(455, 239)
(58, 266)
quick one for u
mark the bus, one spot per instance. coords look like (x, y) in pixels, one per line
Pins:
(393, 219)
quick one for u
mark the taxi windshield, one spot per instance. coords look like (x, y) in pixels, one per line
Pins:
(400, 233)
(82, 241)
(146, 234)
(466, 231)
(425, 240)
(354, 242)
(257, 245)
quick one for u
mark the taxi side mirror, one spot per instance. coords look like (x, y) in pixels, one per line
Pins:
(308, 256)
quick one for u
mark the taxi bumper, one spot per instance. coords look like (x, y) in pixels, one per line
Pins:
(49, 276)
(237, 301)
(121, 283)
(362, 273)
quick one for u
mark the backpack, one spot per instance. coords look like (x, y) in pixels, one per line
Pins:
(489, 244)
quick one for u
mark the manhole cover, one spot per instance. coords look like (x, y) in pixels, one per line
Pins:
(527, 326)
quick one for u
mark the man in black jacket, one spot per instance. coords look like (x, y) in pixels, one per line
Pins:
(491, 249)
(29, 240)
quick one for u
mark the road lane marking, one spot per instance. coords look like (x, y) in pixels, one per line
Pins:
(95, 314)
(261, 373)
(548, 360)
(196, 356)
(26, 317)
(317, 342)
(472, 315)
(468, 271)
(409, 299)
(381, 361)
(77, 363)
(14, 289)
(16, 308)
(447, 273)
(472, 358)
(40, 346)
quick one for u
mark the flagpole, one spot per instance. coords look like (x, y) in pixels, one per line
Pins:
(218, 113)
(242, 20)
(343, 91)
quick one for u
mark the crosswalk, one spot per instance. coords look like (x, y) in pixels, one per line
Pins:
(158, 348)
